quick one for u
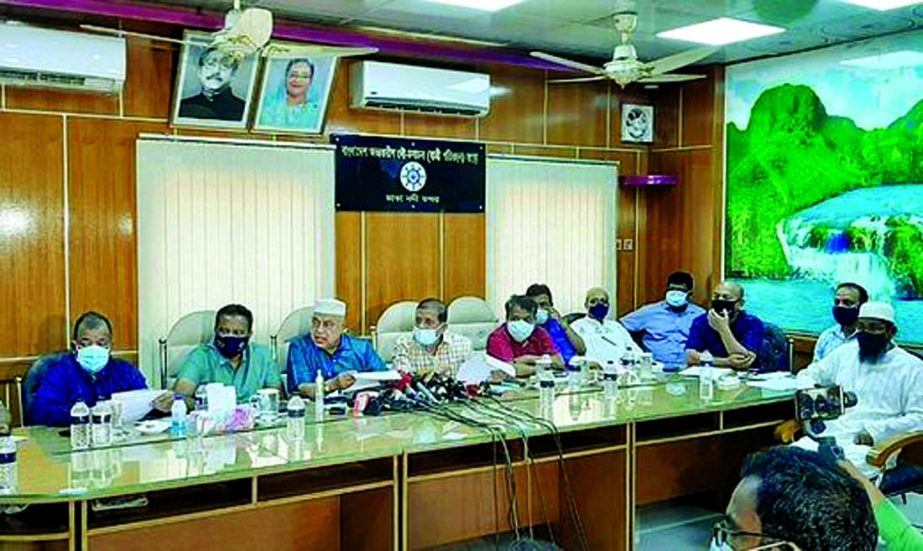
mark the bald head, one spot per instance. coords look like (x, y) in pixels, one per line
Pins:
(597, 293)
(728, 290)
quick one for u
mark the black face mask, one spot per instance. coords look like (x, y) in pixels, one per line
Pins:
(726, 306)
(845, 316)
(230, 347)
(871, 346)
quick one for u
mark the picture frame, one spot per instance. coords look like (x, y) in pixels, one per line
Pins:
(279, 109)
(212, 90)
(637, 123)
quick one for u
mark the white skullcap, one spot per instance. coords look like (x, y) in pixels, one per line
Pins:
(877, 310)
(330, 307)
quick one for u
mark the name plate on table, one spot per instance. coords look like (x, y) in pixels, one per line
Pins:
(402, 175)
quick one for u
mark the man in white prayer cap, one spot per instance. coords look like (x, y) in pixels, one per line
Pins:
(329, 350)
(887, 380)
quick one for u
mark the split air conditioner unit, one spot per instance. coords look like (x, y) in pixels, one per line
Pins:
(46, 58)
(377, 85)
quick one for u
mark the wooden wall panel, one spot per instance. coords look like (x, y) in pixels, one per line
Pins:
(698, 112)
(432, 126)
(666, 117)
(545, 151)
(465, 264)
(403, 259)
(349, 266)
(103, 259)
(32, 262)
(147, 93)
(578, 115)
(61, 101)
(342, 119)
(517, 113)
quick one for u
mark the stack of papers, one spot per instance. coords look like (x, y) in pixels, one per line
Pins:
(782, 384)
(715, 372)
(136, 403)
(479, 367)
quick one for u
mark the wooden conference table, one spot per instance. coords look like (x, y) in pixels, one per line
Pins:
(398, 481)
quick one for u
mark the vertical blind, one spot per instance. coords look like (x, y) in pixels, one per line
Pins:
(224, 223)
(550, 222)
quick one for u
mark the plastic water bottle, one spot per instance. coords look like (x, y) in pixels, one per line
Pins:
(8, 472)
(610, 380)
(573, 375)
(319, 397)
(201, 398)
(543, 364)
(706, 380)
(80, 426)
(178, 422)
(295, 423)
(546, 391)
(101, 424)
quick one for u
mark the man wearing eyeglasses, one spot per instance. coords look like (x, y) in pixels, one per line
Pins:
(887, 380)
(795, 499)
(216, 99)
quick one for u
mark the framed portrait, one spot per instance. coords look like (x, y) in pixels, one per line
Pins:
(294, 94)
(637, 123)
(212, 88)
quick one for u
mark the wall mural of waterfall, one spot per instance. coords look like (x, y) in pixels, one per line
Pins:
(825, 180)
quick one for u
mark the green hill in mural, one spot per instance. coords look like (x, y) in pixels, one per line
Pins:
(794, 155)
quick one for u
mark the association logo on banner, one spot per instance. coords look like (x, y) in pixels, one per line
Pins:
(396, 174)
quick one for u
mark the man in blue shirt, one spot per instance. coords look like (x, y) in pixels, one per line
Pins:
(849, 297)
(732, 336)
(565, 339)
(328, 350)
(664, 326)
(88, 373)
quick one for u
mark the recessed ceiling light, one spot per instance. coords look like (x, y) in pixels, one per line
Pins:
(721, 31)
(483, 5)
(883, 5)
(890, 60)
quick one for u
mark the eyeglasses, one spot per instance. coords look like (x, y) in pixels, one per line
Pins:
(724, 531)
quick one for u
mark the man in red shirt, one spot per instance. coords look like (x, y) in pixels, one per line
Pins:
(519, 341)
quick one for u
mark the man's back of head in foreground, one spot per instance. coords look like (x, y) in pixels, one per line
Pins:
(788, 495)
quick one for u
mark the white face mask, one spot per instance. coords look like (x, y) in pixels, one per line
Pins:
(426, 337)
(676, 298)
(541, 316)
(715, 546)
(93, 358)
(520, 329)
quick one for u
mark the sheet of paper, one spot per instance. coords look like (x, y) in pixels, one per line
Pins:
(478, 368)
(136, 403)
(389, 375)
(780, 384)
(716, 372)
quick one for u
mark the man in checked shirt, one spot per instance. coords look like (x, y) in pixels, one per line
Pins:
(432, 348)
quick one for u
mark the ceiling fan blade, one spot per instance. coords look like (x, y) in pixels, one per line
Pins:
(570, 63)
(675, 61)
(672, 77)
(119, 32)
(299, 50)
(581, 79)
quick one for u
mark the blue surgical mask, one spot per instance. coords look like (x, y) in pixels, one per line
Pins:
(93, 358)
(541, 317)
(230, 347)
(676, 298)
(520, 330)
(599, 311)
(426, 338)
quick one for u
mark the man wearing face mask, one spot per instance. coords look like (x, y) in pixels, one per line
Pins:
(87, 373)
(796, 500)
(664, 326)
(519, 341)
(732, 336)
(849, 297)
(231, 359)
(328, 349)
(431, 349)
(215, 100)
(565, 339)
(606, 339)
(887, 380)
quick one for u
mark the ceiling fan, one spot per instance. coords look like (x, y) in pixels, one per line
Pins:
(246, 32)
(625, 67)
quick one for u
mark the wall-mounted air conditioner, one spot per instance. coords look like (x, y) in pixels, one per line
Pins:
(46, 58)
(377, 85)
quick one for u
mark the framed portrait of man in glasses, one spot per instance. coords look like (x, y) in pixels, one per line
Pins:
(214, 87)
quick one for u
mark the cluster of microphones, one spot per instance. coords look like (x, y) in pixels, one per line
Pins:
(416, 392)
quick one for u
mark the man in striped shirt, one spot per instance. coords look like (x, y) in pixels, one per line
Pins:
(431, 348)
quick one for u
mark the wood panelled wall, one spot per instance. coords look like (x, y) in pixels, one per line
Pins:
(67, 195)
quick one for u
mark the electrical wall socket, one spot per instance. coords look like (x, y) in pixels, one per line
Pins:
(618, 244)
(628, 244)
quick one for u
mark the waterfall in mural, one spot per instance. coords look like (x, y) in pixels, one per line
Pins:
(825, 182)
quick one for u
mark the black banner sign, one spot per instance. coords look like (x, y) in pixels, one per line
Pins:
(396, 174)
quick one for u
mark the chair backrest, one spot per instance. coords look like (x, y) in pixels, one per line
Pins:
(31, 382)
(397, 320)
(296, 324)
(777, 350)
(184, 336)
(473, 317)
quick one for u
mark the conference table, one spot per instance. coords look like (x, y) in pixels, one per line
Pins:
(401, 480)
